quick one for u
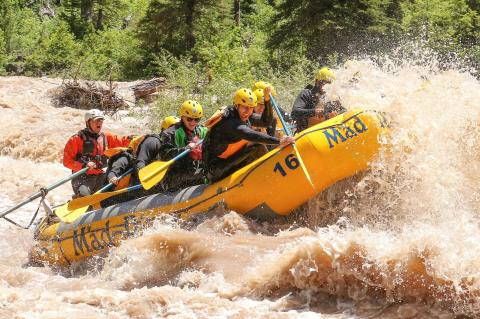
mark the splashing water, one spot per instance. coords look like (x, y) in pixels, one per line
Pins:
(398, 241)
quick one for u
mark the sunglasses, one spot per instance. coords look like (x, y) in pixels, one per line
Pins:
(246, 106)
(191, 119)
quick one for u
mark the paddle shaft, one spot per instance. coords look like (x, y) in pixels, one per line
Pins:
(168, 163)
(286, 128)
(104, 188)
(98, 197)
(63, 212)
(40, 193)
(289, 133)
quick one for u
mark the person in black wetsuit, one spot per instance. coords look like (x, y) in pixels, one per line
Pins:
(185, 135)
(122, 159)
(231, 143)
(311, 105)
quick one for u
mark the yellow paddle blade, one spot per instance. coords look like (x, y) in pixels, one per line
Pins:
(71, 215)
(93, 199)
(303, 166)
(76, 213)
(62, 211)
(152, 174)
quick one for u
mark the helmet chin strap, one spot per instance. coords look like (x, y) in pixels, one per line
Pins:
(87, 125)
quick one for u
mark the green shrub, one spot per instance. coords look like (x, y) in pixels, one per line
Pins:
(188, 80)
(56, 50)
(20, 31)
(3, 54)
(449, 27)
(111, 52)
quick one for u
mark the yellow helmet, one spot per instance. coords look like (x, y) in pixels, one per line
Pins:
(260, 96)
(262, 85)
(191, 109)
(169, 121)
(245, 97)
(325, 74)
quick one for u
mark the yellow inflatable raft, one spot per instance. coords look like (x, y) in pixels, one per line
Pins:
(273, 185)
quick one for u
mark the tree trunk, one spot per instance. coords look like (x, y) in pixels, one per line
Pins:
(237, 10)
(100, 17)
(86, 7)
(189, 36)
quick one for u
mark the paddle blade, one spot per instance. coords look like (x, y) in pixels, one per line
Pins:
(67, 215)
(93, 199)
(303, 166)
(62, 211)
(73, 209)
(76, 213)
(152, 174)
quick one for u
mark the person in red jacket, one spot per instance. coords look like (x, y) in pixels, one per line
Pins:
(86, 149)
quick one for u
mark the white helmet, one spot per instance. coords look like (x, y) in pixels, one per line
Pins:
(94, 114)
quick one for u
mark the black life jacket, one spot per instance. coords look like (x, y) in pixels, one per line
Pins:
(89, 145)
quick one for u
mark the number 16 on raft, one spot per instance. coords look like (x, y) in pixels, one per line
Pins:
(291, 163)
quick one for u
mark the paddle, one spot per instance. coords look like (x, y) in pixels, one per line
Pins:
(152, 174)
(76, 207)
(65, 211)
(106, 187)
(98, 197)
(289, 133)
(44, 191)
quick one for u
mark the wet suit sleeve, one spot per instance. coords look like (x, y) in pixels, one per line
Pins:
(70, 152)
(300, 106)
(169, 148)
(119, 166)
(285, 115)
(271, 130)
(243, 131)
(147, 152)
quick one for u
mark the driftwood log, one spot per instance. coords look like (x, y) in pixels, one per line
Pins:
(146, 90)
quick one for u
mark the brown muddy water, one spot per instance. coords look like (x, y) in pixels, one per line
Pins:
(401, 240)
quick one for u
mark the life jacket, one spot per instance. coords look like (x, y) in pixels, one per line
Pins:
(124, 182)
(279, 132)
(181, 139)
(231, 148)
(260, 129)
(216, 117)
(93, 149)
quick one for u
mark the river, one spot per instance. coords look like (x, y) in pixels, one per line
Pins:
(401, 240)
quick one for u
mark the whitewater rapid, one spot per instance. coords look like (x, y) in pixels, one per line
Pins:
(398, 241)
